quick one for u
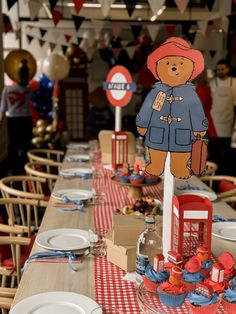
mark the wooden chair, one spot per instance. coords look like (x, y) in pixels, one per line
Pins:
(24, 213)
(11, 265)
(42, 170)
(105, 141)
(45, 155)
(6, 298)
(23, 187)
(211, 169)
(226, 185)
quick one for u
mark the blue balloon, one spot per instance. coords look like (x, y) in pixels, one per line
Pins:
(44, 80)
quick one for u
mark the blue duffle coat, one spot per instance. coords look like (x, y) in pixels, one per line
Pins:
(184, 109)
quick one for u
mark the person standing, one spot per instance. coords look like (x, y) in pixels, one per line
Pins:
(223, 90)
(15, 103)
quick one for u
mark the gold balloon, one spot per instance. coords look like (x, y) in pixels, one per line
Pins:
(47, 137)
(13, 61)
(40, 130)
(37, 141)
(34, 131)
(50, 128)
(41, 123)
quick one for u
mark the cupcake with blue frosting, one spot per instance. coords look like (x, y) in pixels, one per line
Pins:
(192, 273)
(203, 300)
(153, 278)
(229, 297)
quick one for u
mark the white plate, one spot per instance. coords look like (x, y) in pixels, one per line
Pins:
(63, 239)
(76, 171)
(75, 158)
(78, 145)
(200, 192)
(56, 302)
(225, 230)
(73, 194)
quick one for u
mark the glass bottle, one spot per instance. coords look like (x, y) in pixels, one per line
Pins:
(149, 244)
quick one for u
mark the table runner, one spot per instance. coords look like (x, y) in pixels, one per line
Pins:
(111, 289)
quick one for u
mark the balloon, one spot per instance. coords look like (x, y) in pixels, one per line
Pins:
(34, 84)
(34, 131)
(44, 80)
(47, 137)
(56, 67)
(37, 141)
(13, 61)
(40, 130)
(50, 128)
(41, 123)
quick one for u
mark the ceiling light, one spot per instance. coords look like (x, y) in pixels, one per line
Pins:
(98, 5)
(48, 12)
(153, 18)
(162, 9)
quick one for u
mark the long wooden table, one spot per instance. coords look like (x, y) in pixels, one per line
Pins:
(43, 277)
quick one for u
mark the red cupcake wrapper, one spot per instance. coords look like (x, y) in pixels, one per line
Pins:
(150, 285)
(208, 309)
(230, 308)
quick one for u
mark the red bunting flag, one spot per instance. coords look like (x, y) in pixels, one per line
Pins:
(181, 5)
(170, 28)
(78, 5)
(57, 16)
(67, 37)
(41, 42)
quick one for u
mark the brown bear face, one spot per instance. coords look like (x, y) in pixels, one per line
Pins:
(175, 70)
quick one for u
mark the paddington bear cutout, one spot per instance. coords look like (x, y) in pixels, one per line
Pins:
(172, 115)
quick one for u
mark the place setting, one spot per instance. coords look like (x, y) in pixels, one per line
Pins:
(78, 158)
(70, 173)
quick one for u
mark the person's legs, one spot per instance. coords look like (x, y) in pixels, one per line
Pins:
(25, 140)
(13, 137)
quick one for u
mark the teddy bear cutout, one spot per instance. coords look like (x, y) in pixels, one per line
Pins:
(172, 115)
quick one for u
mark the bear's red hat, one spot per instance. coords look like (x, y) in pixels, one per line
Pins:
(175, 46)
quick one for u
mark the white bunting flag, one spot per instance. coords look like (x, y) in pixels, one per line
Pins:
(130, 50)
(202, 26)
(156, 5)
(105, 6)
(153, 30)
(34, 7)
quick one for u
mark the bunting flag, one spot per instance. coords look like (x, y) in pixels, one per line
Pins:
(191, 36)
(97, 26)
(153, 30)
(212, 53)
(225, 24)
(202, 25)
(130, 6)
(156, 5)
(78, 5)
(52, 4)
(10, 4)
(170, 29)
(34, 7)
(116, 29)
(234, 1)
(42, 32)
(106, 6)
(181, 5)
(57, 16)
(7, 27)
(130, 51)
(67, 37)
(52, 46)
(64, 48)
(136, 29)
(79, 39)
(78, 20)
(209, 4)
(29, 38)
(41, 42)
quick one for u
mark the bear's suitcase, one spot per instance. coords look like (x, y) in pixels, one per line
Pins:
(199, 156)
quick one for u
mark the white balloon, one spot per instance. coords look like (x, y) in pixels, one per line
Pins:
(56, 67)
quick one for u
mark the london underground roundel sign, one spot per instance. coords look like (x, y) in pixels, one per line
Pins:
(119, 86)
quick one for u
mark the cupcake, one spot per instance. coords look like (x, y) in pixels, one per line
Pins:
(216, 281)
(229, 299)
(227, 260)
(149, 178)
(203, 300)
(136, 177)
(192, 273)
(125, 173)
(203, 255)
(153, 278)
(172, 292)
